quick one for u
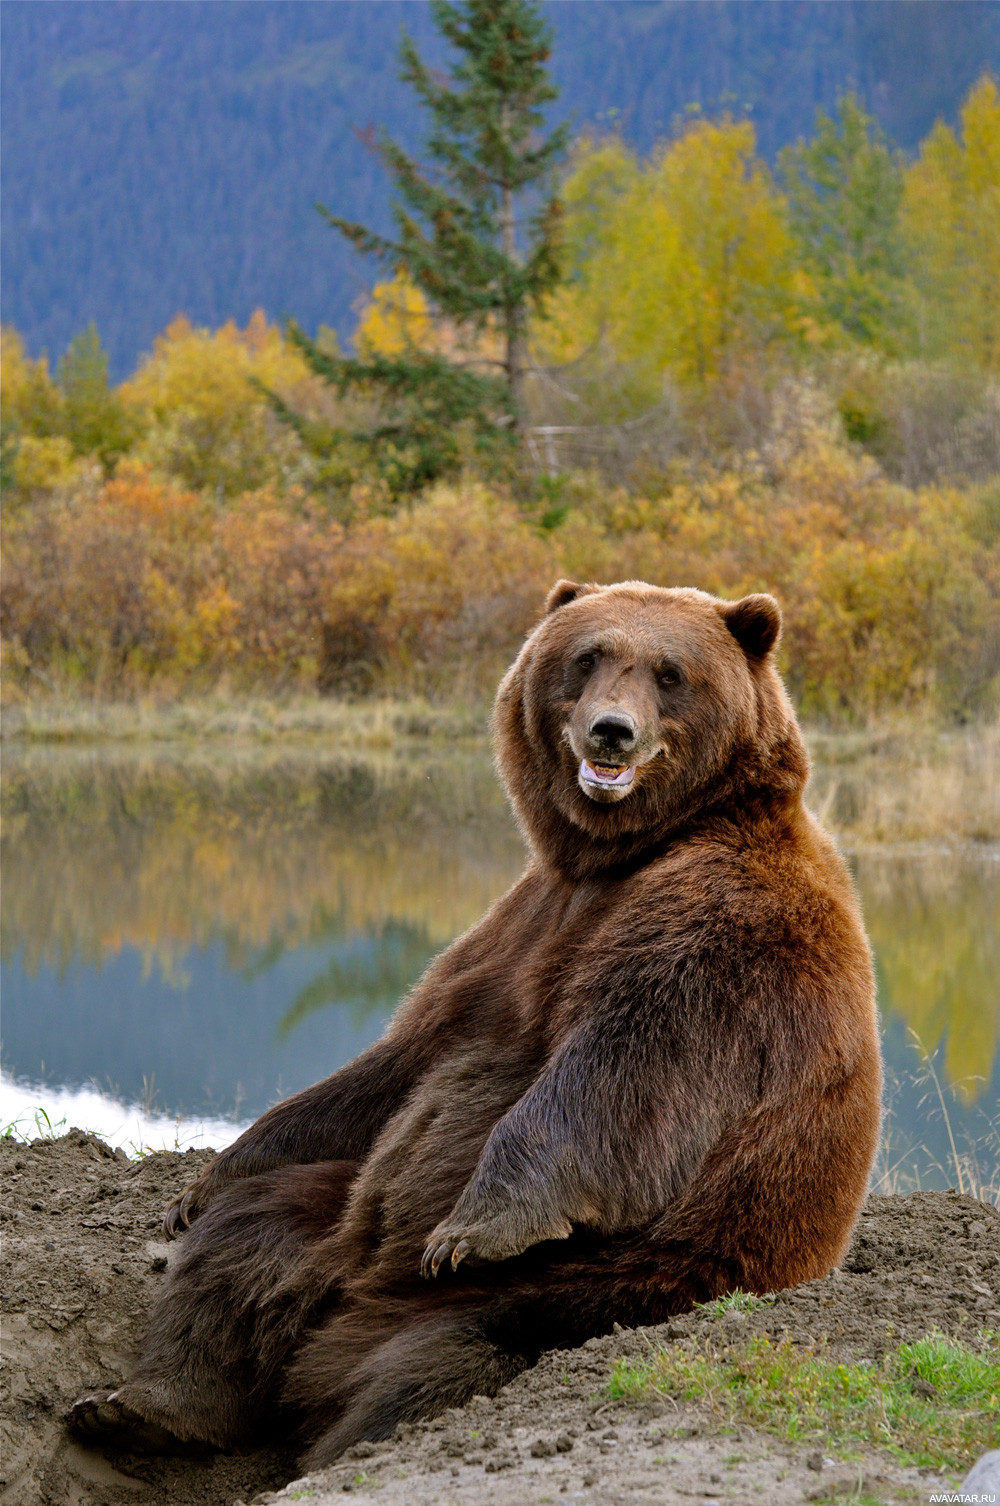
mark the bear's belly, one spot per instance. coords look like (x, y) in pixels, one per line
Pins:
(429, 1150)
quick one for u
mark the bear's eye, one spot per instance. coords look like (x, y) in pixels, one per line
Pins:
(586, 661)
(669, 676)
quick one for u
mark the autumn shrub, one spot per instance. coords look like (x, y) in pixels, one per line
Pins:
(445, 590)
(145, 584)
(105, 587)
(924, 422)
(891, 597)
(140, 583)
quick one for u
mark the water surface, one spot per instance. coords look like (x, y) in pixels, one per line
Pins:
(205, 934)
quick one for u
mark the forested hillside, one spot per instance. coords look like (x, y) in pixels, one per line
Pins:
(166, 157)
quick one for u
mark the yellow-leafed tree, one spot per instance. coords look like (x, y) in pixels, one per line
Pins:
(951, 211)
(206, 422)
(35, 453)
(398, 321)
(678, 262)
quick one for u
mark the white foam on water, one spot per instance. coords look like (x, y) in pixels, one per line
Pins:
(38, 1109)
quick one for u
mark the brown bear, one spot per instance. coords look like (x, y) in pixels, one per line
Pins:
(648, 1076)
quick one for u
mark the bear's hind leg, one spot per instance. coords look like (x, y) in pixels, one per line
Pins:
(438, 1361)
(231, 1311)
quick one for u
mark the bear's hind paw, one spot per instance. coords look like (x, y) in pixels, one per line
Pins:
(101, 1420)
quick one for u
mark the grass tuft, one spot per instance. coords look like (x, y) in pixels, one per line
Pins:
(20, 1129)
(734, 1302)
(932, 1402)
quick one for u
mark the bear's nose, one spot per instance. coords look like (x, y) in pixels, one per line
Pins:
(615, 729)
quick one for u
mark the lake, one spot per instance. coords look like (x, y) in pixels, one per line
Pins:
(203, 933)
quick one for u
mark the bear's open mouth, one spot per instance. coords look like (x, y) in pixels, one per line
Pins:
(616, 774)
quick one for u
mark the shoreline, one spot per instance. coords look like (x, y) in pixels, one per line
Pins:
(30, 1108)
(250, 719)
(902, 784)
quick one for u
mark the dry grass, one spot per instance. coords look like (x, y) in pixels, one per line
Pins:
(908, 782)
(904, 782)
(371, 725)
(971, 1162)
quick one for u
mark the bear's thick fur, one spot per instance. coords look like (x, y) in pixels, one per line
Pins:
(648, 1076)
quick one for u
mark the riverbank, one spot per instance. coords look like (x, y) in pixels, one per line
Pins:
(901, 781)
(84, 1254)
(249, 720)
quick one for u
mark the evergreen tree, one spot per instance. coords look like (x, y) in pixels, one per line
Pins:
(477, 229)
(844, 191)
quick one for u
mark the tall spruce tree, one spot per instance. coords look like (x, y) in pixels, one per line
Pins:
(477, 231)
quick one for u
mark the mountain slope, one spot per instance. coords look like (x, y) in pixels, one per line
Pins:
(165, 157)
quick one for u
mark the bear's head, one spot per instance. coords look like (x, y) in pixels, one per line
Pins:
(632, 710)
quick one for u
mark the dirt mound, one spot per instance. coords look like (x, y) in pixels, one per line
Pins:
(82, 1256)
(929, 1260)
(82, 1253)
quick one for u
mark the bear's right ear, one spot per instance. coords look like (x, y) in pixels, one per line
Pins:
(755, 622)
(563, 592)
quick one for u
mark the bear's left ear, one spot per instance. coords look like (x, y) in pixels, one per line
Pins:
(755, 622)
(563, 592)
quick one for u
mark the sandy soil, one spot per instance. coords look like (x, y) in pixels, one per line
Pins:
(82, 1257)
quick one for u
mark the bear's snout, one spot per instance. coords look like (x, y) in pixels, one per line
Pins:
(612, 733)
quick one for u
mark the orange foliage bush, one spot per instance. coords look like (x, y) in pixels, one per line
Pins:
(99, 585)
(441, 593)
(140, 583)
(891, 597)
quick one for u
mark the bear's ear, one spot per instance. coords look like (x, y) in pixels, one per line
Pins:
(755, 622)
(563, 592)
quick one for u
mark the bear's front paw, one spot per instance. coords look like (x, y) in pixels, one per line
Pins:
(182, 1210)
(447, 1245)
(186, 1207)
(494, 1239)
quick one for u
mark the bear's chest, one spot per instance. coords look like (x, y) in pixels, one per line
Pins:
(429, 1149)
(549, 980)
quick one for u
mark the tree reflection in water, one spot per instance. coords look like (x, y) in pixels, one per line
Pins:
(277, 904)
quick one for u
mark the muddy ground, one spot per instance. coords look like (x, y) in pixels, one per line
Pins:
(83, 1253)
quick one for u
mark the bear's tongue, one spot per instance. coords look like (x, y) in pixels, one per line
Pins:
(607, 773)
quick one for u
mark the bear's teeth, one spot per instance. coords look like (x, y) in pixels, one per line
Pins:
(606, 773)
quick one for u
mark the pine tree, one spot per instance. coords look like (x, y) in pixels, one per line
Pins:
(477, 227)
